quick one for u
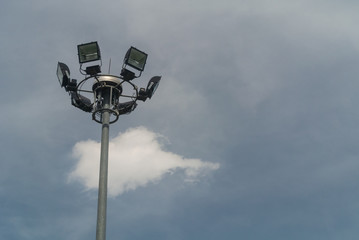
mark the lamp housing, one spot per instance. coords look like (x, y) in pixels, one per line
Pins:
(127, 74)
(93, 70)
(63, 74)
(126, 107)
(88, 52)
(81, 102)
(135, 59)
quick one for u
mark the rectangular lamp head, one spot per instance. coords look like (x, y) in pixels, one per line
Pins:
(89, 52)
(63, 74)
(136, 59)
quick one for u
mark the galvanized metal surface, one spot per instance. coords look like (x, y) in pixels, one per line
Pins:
(102, 190)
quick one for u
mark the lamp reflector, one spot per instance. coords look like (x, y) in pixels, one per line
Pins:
(136, 58)
(89, 52)
(63, 74)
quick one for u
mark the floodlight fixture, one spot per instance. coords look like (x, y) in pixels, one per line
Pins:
(152, 86)
(136, 59)
(126, 107)
(81, 102)
(89, 52)
(63, 74)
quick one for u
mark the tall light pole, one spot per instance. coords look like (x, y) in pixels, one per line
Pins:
(107, 92)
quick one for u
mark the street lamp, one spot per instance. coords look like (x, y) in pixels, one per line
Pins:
(107, 92)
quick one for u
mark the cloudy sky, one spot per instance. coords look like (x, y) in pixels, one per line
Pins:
(253, 133)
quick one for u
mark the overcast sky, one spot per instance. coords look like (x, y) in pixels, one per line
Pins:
(252, 134)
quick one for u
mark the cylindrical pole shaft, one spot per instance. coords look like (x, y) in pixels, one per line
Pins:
(102, 190)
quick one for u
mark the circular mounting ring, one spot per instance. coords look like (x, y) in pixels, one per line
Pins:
(113, 82)
(97, 115)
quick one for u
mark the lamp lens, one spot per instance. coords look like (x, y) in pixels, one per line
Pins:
(89, 52)
(63, 73)
(59, 73)
(137, 59)
(152, 85)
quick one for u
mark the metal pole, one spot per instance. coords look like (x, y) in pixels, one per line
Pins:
(102, 189)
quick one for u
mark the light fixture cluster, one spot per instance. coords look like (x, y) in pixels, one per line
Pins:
(133, 66)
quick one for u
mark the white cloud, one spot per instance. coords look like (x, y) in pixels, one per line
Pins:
(136, 158)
